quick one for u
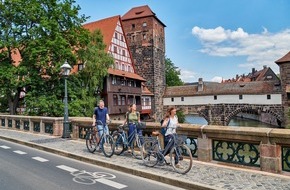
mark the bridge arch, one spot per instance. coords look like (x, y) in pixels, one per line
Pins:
(258, 109)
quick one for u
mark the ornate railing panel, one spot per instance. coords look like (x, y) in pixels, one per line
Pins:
(192, 145)
(10, 123)
(3, 122)
(48, 128)
(17, 124)
(26, 125)
(36, 126)
(286, 158)
(83, 131)
(236, 152)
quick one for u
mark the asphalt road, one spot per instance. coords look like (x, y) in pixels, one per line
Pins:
(25, 168)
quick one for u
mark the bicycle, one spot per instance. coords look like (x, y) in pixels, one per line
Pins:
(122, 144)
(105, 142)
(152, 153)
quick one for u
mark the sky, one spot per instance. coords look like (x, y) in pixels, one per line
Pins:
(212, 39)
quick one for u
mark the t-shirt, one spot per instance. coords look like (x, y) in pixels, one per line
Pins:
(133, 117)
(101, 114)
(171, 128)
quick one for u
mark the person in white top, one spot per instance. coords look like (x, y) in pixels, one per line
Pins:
(170, 121)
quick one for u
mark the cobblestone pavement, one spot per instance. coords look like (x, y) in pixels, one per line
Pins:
(202, 176)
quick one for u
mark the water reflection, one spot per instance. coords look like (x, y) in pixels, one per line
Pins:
(236, 121)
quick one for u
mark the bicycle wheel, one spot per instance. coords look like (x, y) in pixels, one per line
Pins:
(119, 144)
(136, 151)
(107, 145)
(178, 161)
(91, 142)
(149, 153)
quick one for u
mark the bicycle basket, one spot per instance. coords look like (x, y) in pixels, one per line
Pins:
(141, 125)
(181, 139)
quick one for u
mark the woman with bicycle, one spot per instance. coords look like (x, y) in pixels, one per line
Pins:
(170, 123)
(132, 118)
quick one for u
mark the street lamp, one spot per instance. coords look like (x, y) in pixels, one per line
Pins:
(65, 72)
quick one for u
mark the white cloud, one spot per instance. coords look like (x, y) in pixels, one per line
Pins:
(187, 76)
(217, 79)
(218, 34)
(259, 49)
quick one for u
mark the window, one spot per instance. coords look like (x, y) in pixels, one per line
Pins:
(123, 100)
(182, 99)
(215, 97)
(117, 65)
(240, 97)
(123, 52)
(115, 49)
(130, 99)
(133, 38)
(115, 100)
(129, 68)
(122, 38)
(123, 82)
(123, 67)
(147, 102)
(116, 35)
(172, 99)
(129, 83)
(144, 36)
(268, 96)
(144, 24)
(80, 67)
(114, 81)
(133, 26)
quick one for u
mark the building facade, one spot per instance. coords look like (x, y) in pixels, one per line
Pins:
(123, 86)
(284, 65)
(146, 38)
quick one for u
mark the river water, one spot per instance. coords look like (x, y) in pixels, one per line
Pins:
(236, 121)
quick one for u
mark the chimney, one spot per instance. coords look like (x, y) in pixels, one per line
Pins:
(265, 67)
(253, 71)
(200, 85)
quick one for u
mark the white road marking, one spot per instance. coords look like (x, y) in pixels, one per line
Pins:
(5, 147)
(66, 168)
(111, 183)
(19, 152)
(40, 159)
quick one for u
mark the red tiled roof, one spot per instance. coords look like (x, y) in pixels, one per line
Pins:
(257, 87)
(146, 91)
(125, 74)
(107, 27)
(139, 12)
(15, 56)
(284, 59)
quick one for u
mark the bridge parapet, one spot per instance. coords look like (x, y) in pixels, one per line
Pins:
(264, 148)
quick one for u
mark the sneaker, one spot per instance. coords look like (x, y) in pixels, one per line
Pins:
(178, 166)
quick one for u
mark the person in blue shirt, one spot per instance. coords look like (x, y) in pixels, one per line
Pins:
(101, 114)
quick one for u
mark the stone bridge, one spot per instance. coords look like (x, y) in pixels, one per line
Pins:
(221, 114)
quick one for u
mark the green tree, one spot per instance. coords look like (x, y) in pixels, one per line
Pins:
(91, 78)
(46, 33)
(172, 74)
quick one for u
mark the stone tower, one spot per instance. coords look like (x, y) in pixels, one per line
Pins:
(146, 38)
(284, 64)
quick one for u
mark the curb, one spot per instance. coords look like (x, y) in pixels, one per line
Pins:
(144, 174)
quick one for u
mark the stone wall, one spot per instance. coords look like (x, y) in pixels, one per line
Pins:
(147, 46)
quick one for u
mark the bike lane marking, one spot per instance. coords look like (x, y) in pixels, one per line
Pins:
(19, 152)
(40, 159)
(5, 147)
(67, 168)
(111, 183)
(100, 180)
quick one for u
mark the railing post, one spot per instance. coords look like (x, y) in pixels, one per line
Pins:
(270, 158)
(204, 150)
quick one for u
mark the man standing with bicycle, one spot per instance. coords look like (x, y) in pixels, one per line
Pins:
(101, 114)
